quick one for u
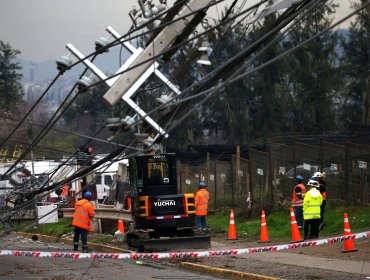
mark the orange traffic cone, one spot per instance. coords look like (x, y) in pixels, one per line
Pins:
(264, 236)
(349, 245)
(296, 236)
(121, 227)
(232, 230)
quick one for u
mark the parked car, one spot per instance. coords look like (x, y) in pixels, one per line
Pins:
(306, 170)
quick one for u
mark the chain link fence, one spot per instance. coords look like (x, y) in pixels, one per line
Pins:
(268, 176)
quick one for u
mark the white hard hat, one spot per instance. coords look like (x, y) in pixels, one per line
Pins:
(317, 174)
(313, 183)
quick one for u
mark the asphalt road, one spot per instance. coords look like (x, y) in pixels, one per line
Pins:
(324, 262)
(12, 267)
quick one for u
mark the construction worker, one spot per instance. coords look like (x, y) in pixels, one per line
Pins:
(318, 176)
(201, 206)
(297, 200)
(311, 210)
(64, 190)
(82, 221)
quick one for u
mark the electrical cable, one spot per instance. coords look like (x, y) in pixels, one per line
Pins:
(31, 202)
(170, 49)
(218, 87)
(125, 70)
(62, 164)
(49, 124)
(198, 36)
(95, 53)
(104, 80)
(37, 141)
(31, 109)
(232, 61)
(273, 60)
(68, 132)
(174, 47)
(121, 39)
(78, 174)
(215, 74)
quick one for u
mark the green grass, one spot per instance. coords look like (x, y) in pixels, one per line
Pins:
(278, 223)
(63, 226)
(57, 229)
(279, 227)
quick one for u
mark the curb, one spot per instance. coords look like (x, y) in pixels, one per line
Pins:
(92, 246)
(230, 274)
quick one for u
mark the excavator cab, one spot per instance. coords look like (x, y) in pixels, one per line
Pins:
(153, 174)
(156, 202)
(158, 209)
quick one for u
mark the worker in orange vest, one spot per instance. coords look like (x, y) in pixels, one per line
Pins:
(82, 221)
(201, 206)
(128, 203)
(297, 200)
(64, 191)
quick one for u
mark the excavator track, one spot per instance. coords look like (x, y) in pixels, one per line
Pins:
(144, 243)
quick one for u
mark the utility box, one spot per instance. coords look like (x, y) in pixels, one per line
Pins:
(47, 214)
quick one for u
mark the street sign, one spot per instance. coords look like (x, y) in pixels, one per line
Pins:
(362, 164)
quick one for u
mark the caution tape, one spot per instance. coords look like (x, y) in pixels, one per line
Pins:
(174, 255)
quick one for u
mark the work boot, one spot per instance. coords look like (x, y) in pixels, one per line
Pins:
(85, 249)
(75, 247)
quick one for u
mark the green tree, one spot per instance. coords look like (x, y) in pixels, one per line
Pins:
(312, 78)
(356, 66)
(11, 91)
(247, 109)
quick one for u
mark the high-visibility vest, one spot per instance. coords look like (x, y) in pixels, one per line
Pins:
(201, 202)
(128, 203)
(83, 214)
(296, 200)
(64, 190)
(311, 204)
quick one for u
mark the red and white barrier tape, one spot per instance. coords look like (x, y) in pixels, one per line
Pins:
(183, 254)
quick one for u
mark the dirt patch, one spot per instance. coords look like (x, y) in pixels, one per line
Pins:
(318, 262)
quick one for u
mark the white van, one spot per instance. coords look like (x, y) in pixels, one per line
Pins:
(103, 182)
(105, 176)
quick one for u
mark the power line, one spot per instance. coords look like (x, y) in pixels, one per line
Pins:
(227, 82)
(213, 90)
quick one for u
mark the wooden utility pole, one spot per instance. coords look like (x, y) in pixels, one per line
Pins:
(237, 168)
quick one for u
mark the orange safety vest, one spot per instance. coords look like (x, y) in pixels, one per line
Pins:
(128, 203)
(64, 190)
(201, 202)
(83, 214)
(296, 201)
(322, 188)
(323, 196)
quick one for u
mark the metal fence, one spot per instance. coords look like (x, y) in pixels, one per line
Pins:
(269, 175)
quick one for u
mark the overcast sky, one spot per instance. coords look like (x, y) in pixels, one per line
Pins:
(40, 29)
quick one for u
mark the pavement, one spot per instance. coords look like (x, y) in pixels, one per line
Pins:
(312, 261)
(218, 272)
(292, 257)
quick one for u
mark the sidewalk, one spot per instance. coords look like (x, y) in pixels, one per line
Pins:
(295, 259)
